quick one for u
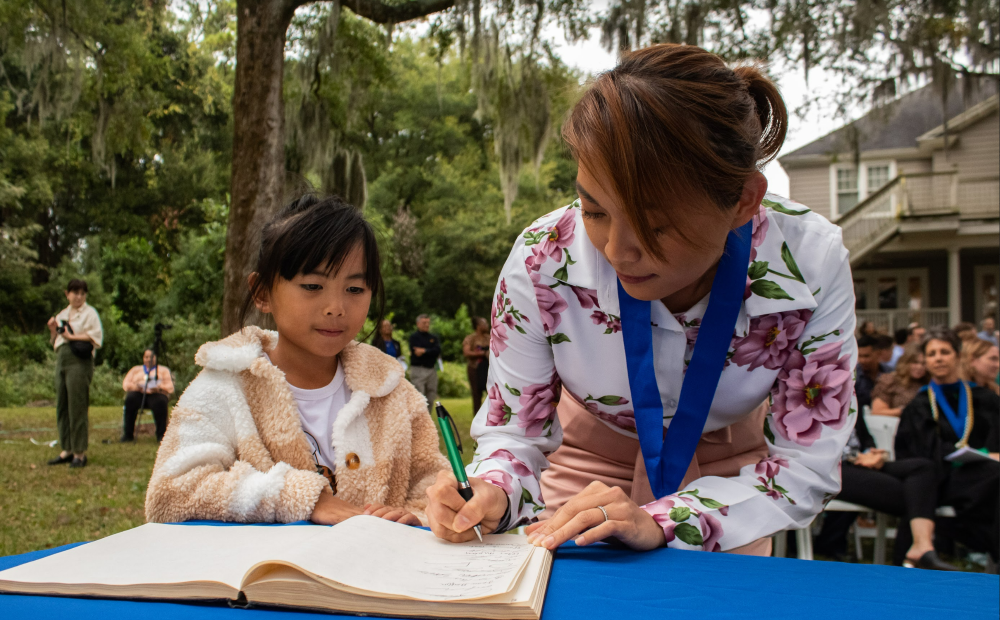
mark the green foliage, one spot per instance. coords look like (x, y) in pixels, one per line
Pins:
(196, 272)
(452, 332)
(453, 381)
(114, 157)
(131, 274)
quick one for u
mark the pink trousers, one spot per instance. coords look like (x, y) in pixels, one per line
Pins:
(592, 451)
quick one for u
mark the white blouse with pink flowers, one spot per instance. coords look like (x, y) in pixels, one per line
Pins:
(555, 326)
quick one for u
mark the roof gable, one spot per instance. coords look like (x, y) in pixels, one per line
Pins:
(898, 124)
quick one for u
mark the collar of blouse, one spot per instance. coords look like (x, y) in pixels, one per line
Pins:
(775, 282)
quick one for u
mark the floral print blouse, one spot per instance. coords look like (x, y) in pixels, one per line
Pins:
(555, 326)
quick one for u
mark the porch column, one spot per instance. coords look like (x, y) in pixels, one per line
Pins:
(954, 287)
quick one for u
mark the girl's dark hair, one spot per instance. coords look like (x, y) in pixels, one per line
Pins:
(313, 233)
(671, 128)
(943, 334)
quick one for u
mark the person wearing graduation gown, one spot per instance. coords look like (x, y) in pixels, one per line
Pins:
(674, 269)
(949, 414)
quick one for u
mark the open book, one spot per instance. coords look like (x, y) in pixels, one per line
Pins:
(364, 565)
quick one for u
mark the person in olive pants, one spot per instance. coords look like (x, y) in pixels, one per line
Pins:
(76, 333)
(73, 375)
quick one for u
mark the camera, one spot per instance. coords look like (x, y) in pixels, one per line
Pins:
(62, 328)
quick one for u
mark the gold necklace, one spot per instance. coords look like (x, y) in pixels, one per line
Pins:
(964, 441)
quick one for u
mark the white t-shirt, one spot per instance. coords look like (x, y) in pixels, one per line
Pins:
(317, 411)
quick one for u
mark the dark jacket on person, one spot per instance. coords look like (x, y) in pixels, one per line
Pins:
(863, 386)
(864, 435)
(920, 435)
(428, 341)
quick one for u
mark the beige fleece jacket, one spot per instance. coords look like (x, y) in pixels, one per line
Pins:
(235, 449)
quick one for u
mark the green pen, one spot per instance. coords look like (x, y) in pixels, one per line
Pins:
(446, 423)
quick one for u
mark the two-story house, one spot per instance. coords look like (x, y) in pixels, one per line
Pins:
(919, 202)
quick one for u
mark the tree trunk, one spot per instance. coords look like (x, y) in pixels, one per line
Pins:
(258, 141)
(258, 126)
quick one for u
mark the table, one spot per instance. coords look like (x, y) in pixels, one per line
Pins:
(609, 583)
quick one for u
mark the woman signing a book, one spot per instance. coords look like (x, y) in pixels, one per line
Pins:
(675, 349)
(304, 422)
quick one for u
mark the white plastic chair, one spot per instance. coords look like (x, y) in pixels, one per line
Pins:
(881, 532)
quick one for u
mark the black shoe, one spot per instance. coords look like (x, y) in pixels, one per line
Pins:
(59, 460)
(929, 561)
(79, 462)
(126, 440)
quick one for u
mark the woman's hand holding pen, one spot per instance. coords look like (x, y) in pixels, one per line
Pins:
(581, 519)
(452, 518)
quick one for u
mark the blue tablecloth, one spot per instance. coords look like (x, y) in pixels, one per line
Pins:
(608, 583)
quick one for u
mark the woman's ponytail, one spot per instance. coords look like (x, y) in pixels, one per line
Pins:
(771, 112)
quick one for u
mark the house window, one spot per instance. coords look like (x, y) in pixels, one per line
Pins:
(851, 185)
(877, 177)
(888, 293)
(847, 189)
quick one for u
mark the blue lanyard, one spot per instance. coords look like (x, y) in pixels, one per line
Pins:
(667, 457)
(957, 420)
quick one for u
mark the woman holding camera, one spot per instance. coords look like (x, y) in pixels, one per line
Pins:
(76, 334)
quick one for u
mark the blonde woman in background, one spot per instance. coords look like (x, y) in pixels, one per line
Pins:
(895, 390)
(981, 363)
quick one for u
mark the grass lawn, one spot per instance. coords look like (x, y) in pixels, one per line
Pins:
(43, 506)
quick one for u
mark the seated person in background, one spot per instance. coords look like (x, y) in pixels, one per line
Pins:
(989, 332)
(868, 371)
(883, 349)
(965, 332)
(899, 345)
(303, 422)
(147, 386)
(980, 364)
(906, 488)
(948, 414)
(915, 334)
(894, 390)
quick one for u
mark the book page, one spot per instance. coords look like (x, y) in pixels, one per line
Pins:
(387, 558)
(165, 554)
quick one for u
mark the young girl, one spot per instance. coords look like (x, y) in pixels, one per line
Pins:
(302, 423)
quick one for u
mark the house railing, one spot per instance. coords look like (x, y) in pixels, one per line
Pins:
(876, 219)
(979, 197)
(888, 321)
(873, 221)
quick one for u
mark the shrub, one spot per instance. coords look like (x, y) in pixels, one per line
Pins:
(453, 381)
(452, 332)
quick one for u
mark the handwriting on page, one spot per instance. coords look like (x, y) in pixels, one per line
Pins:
(391, 559)
(473, 573)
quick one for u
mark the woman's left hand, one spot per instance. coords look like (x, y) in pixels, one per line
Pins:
(581, 519)
(392, 514)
